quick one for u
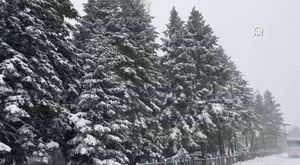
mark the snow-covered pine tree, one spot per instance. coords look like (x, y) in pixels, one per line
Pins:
(38, 71)
(239, 101)
(217, 78)
(134, 39)
(179, 69)
(100, 124)
(212, 75)
(201, 46)
(257, 138)
(274, 122)
(200, 31)
(267, 124)
(120, 39)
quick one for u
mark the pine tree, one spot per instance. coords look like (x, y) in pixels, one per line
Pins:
(179, 72)
(211, 78)
(268, 124)
(101, 129)
(38, 76)
(226, 97)
(129, 63)
(274, 122)
(257, 139)
(135, 40)
(240, 102)
(200, 31)
(202, 46)
(105, 97)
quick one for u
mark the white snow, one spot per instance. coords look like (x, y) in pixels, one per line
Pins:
(15, 110)
(114, 138)
(281, 159)
(130, 71)
(101, 129)
(217, 108)
(91, 140)
(205, 116)
(10, 67)
(52, 145)
(186, 127)
(85, 97)
(175, 133)
(83, 150)
(181, 154)
(201, 135)
(116, 127)
(140, 123)
(2, 82)
(27, 79)
(25, 130)
(4, 148)
(105, 162)
(82, 124)
(74, 118)
(17, 99)
(27, 10)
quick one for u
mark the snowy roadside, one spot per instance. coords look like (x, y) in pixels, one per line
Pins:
(281, 159)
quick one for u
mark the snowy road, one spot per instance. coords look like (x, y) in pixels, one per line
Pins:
(281, 159)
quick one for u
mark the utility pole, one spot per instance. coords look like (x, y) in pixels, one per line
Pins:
(285, 131)
(285, 134)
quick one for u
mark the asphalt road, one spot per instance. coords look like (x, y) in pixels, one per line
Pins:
(281, 159)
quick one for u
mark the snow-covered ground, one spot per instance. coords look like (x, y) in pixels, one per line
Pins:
(281, 159)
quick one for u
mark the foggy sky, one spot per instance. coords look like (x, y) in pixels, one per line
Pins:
(268, 62)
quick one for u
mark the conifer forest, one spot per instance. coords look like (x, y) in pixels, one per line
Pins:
(98, 93)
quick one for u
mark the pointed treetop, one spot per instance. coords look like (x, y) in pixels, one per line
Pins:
(175, 25)
(101, 10)
(201, 31)
(196, 21)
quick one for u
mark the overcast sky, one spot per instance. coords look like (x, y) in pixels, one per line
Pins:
(268, 62)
